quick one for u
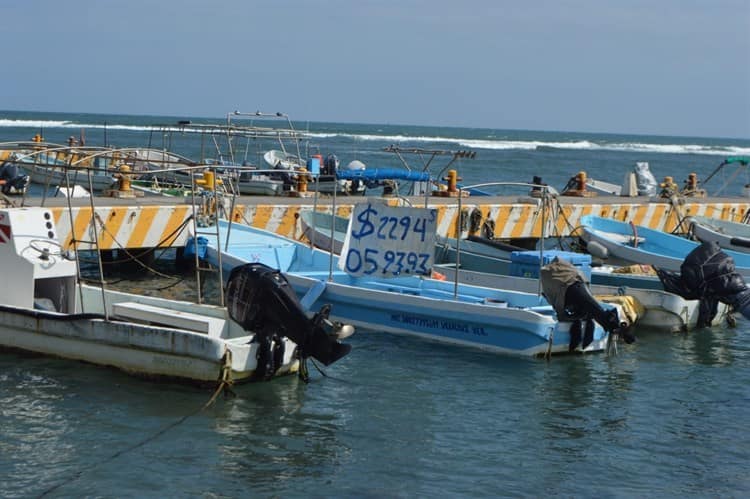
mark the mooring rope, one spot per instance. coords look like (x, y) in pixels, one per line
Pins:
(225, 383)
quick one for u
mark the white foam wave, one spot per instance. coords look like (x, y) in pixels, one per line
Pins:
(65, 124)
(34, 124)
(68, 124)
(502, 144)
(489, 144)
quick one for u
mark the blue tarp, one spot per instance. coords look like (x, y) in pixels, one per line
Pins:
(383, 174)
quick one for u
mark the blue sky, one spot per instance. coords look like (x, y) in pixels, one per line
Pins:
(667, 67)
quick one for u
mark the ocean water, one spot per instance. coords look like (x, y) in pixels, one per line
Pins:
(501, 155)
(399, 417)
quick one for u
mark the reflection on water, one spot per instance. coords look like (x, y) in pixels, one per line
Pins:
(582, 396)
(274, 432)
(718, 346)
(398, 417)
(31, 424)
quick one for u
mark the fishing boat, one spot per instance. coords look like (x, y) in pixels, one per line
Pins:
(324, 231)
(176, 170)
(652, 308)
(54, 165)
(256, 183)
(46, 309)
(635, 244)
(291, 166)
(283, 160)
(498, 320)
(334, 179)
(730, 235)
(489, 255)
(496, 264)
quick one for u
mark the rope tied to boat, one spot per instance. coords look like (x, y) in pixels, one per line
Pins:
(611, 344)
(225, 383)
(548, 353)
(303, 373)
(225, 379)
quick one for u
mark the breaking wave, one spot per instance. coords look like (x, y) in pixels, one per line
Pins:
(37, 124)
(465, 142)
(549, 146)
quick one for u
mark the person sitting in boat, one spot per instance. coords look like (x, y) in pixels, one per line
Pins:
(14, 179)
(566, 290)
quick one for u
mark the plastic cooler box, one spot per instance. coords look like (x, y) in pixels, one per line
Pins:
(526, 263)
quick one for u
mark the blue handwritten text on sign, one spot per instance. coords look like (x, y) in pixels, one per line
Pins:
(389, 241)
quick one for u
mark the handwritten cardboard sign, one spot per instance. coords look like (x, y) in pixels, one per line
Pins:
(389, 241)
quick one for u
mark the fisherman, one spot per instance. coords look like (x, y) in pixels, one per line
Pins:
(565, 288)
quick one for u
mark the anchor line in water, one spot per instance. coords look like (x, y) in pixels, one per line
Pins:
(224, 385)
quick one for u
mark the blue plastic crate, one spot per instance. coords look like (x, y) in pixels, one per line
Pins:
(191, 248)
(526, 263)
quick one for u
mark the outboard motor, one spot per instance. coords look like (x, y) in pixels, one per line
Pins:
(14, 177)
(565, 289)
(330, 164)
(261, 300)
(708, 274)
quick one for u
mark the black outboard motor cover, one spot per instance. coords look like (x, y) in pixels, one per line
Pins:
(708, 274)
(261, 300)
(330, 164)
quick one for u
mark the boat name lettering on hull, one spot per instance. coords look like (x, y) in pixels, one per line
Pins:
(445, 325)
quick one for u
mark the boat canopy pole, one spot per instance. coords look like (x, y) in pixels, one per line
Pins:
(195, 244)
(433, 153)
(96, 240)
(458, 242)
(315, 218)
(333, 241)
(74, 241)
(545, 202)
(742, 162)
(218, 207)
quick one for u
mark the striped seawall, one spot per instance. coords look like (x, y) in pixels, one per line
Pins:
(123, 226)
(151, 226)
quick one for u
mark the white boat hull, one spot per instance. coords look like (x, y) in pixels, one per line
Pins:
(663, 311)
(730, 235)
(134, 347)
(496, 320)
(44, 309)
(55, 176)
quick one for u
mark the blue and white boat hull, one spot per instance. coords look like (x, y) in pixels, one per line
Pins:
(502, 321)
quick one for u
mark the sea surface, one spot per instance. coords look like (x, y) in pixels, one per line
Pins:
(399, 417)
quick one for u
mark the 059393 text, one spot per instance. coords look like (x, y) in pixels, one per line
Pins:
(372, 260)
